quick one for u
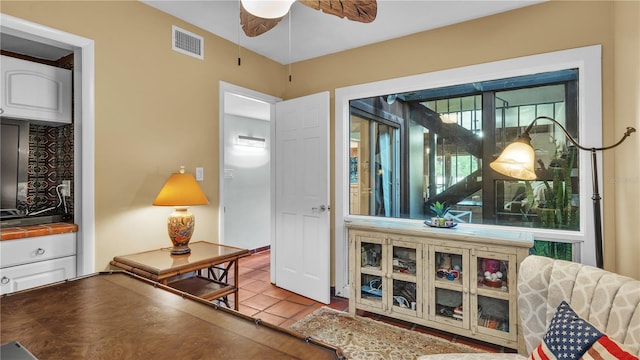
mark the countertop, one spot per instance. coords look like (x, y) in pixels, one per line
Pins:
(21, 232)
(461, 232)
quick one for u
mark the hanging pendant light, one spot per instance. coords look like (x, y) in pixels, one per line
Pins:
(268, 9)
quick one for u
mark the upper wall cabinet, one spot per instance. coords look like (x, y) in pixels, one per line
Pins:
(34, 91)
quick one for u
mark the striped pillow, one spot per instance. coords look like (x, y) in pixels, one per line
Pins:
(571, 337)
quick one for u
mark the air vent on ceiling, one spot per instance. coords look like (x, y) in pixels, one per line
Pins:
(187, 42)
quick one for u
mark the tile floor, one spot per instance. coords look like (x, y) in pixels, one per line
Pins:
(261, 299)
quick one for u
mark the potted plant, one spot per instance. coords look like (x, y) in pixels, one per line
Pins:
(440, 209)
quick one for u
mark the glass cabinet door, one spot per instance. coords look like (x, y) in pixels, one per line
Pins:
(406, 269)
(370, 279)
(450, 301)
(495, 281)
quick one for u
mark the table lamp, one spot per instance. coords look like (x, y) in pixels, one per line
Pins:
(517, 160)
(181, 191)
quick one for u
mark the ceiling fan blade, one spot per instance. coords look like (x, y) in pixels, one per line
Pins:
(364, 11)
(253, 25)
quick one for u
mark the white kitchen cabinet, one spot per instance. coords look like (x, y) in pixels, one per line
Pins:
(27, 276)
(34, 91)
(36, 261)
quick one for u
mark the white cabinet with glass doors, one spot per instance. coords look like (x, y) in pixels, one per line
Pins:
(390, 276)
(474, 289)
(462, 281)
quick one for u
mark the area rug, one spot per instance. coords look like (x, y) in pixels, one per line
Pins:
(362, 338)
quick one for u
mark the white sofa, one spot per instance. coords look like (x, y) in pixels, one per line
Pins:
(609, 301)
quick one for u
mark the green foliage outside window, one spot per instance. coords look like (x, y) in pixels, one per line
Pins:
(554, 250)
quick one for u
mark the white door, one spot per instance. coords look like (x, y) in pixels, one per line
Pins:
(301, 258)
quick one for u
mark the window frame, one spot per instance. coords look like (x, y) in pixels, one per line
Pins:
(588, 62)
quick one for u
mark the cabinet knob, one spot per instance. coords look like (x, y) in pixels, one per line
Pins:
(5, 280)
(40, 251)
(388, 276)
(465, 290)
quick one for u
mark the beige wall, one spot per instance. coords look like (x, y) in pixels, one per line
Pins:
(622, 174)
(547, 27)
(156, 109)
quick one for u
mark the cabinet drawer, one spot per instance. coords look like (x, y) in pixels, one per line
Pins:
(39, 248)
(27, 276)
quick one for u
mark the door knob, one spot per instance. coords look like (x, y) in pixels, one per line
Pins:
(320, 208)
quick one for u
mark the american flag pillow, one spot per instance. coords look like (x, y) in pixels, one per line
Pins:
(604, 349)
(571, 337)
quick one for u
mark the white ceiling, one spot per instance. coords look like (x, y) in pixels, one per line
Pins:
(315, 34)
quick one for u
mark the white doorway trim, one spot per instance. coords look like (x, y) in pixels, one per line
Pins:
(84, 126)
(225, 87)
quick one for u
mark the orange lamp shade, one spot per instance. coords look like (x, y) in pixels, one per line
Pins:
(181, 191)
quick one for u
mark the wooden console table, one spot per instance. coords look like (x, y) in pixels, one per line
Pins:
(208, 262)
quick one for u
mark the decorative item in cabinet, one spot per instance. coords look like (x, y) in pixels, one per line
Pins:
(404, 290)
(404, 294)
(405, 274)
(493, 273)
(450, 302)
(493, 314)
(404, 260)
(495, 300)
(449, 267)
(371, 281)
(388, 275)
(371, 287)
(370, 255)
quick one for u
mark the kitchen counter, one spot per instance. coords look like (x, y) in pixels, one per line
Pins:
(21, 232)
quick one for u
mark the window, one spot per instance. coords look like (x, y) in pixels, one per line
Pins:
(445, 127)
(437, 135)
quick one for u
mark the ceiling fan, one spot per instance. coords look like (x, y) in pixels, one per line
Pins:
(259, 16)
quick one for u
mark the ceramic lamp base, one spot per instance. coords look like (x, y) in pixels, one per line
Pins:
(180, 225)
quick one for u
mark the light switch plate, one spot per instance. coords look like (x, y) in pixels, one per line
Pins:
(199, 174)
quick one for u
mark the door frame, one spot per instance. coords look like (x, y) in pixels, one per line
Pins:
(225, 87)
(84, 126)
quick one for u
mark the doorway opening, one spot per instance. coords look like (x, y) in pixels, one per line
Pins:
(293, 220)
(84, 124)
(245, 168)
